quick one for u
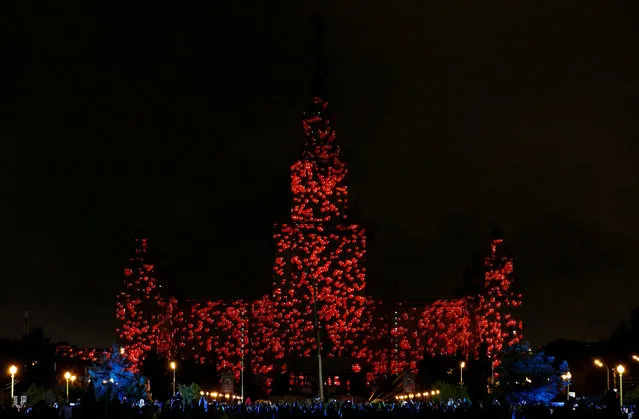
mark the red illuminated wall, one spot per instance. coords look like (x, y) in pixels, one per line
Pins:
(445, 328)
(403, 333)
(89, 355)
(331, 260)
(216, 331)
(395, 336)
(262, 338)
(169, 322)
(397, 344)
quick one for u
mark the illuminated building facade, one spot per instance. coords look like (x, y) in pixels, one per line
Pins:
(320, 259)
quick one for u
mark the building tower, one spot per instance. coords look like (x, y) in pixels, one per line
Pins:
(318, 250)
(497, 328)
(137, 307)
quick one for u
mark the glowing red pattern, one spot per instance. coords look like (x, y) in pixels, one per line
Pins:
(318, 251)
(404, 332)
(89, 355)
(330, 261)
(137, 307)
(496, 327)
(318, 179)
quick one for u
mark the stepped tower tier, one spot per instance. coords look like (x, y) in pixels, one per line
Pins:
(317, 250)
(137, 307)
(498, 327)
(318, 183)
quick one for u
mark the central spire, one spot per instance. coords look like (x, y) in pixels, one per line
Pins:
(318, 178)
(319, 26)
(319, 136)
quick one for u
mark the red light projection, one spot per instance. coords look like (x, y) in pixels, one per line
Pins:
(397, 343)
(445, 328)
(137, 307)
(496, 327)
(311, 258)
(89, 355)
(262, 337)
(168, 322)
(318, 179)
(216, 330)
(319, 257)
(404, 332)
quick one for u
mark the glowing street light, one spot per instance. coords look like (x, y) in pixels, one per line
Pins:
(621, 369)
(68, 377)
(462, 365)
(602, 365)
(635, 357)
(12, 370)
(566, 377)
(318, 339)
(173, 366)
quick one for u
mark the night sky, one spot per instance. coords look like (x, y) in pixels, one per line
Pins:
(456, 118)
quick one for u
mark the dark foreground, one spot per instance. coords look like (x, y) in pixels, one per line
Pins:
(116, 410)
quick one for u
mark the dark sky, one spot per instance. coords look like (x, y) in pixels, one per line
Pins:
(455, 117)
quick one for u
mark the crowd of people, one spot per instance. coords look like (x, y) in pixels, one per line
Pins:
(201, 409)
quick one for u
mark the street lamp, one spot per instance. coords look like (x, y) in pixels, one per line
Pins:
(462, 365)
(68, 376)
(602, 365)
(12, 370)
(318, 339)
(173, 367)
(635, 357)
(566, 377)
(242, 360)
(621, 370)
(109, 386)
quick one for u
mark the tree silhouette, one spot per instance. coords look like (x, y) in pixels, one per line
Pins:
(189, 393)
(112, 377)
(477, 375)
(437, 368)
(448, 391)
(155, 369)
(528, 375)
(38, 353)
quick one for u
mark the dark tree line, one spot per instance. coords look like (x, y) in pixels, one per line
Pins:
(618, 348)
(34, 355)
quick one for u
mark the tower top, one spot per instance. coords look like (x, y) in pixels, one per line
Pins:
(319, 27)
(319, 136)
(141, 245)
